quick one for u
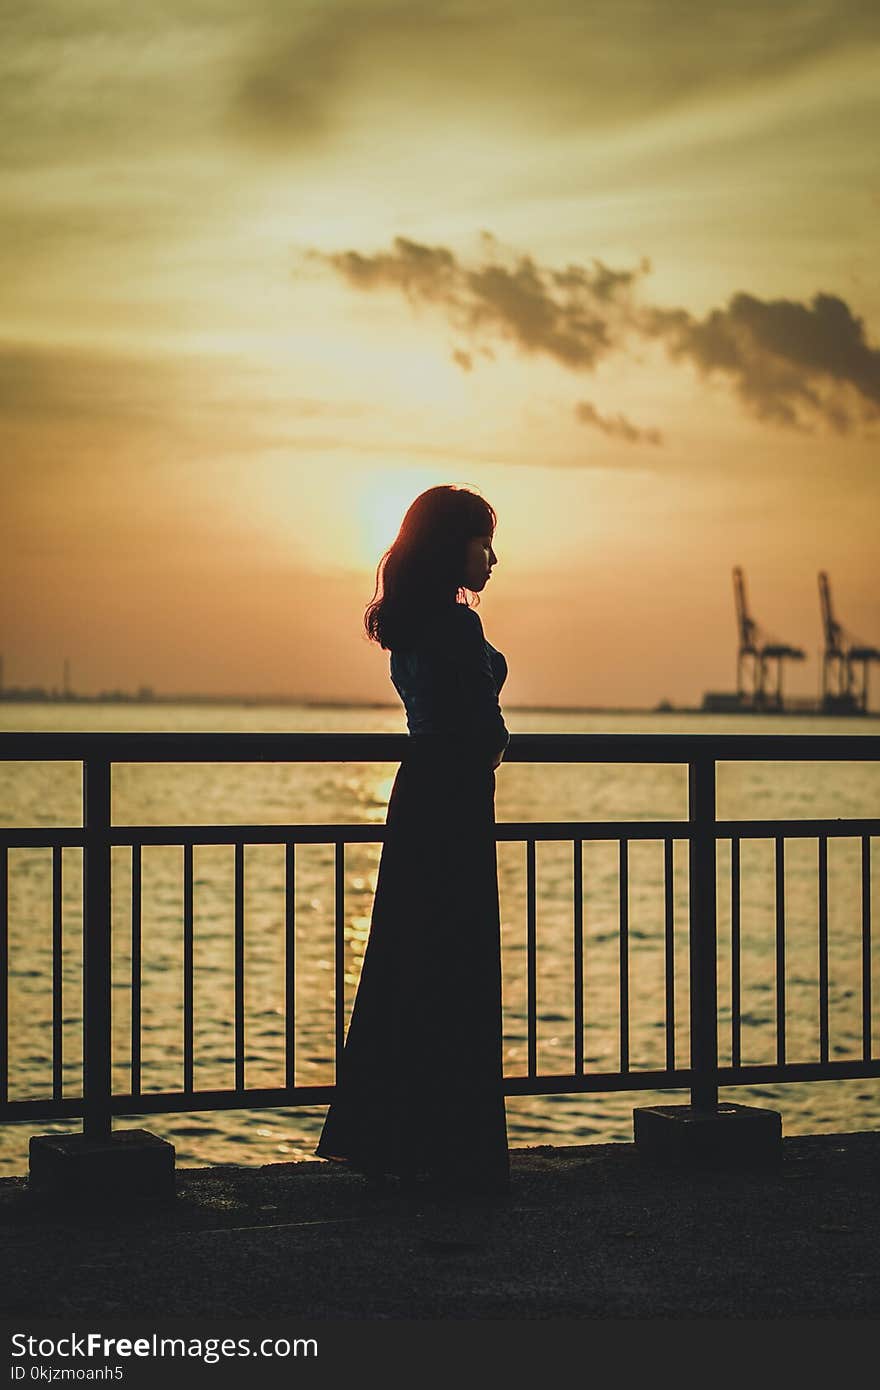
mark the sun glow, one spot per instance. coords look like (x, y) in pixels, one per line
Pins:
(381, 504)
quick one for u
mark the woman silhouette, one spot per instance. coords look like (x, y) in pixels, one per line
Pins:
(419, 1088)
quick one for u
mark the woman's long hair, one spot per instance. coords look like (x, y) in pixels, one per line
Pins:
(420, 574)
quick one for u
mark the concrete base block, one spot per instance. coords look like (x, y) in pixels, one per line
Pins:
(730, 1136)
(130, 1164)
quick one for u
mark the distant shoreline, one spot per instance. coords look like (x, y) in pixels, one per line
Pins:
(294, 701)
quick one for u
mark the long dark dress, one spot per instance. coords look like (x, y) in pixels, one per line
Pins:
(419, 1088)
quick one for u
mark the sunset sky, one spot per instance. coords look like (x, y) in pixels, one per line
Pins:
(271, 268)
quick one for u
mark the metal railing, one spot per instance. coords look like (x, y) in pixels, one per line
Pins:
(701, 831)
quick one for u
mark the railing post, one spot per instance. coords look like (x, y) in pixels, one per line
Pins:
(96, 949)
(705, 1132)
(100, 1164)
(703, 933)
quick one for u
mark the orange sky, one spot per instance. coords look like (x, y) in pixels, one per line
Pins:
(269, 272)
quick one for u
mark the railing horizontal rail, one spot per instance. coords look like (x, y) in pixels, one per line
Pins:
(256, 1098)
(27, 837)
(795, 829)
(530, 748)
(158, 1102)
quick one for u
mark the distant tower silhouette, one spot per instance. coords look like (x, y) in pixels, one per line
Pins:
(762, 649)
(66, 688)
(844, 689)
(748, 632)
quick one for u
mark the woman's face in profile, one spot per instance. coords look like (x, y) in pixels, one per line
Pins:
(478, 562)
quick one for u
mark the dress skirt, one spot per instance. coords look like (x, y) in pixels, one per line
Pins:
(419, 1087)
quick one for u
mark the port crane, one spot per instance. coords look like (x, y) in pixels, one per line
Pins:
(757, 650)
(845, 661)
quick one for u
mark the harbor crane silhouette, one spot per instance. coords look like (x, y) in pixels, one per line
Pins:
(845, 661)
(757, 650)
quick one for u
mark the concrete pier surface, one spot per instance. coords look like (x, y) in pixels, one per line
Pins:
(593, 1231)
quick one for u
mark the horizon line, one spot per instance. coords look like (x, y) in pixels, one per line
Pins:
(663, 706)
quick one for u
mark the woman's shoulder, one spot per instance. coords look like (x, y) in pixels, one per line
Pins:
(453, 630)
(460, 625)
(464, 618)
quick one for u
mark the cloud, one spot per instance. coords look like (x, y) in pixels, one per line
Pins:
(420, 272)
(571, 315)
(124, 79)
(790, 363)
(617, 426)
(564, 65)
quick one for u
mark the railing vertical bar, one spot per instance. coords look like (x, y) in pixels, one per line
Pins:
(97, 982)
(339, 962)
(531, 965)
(703, 938)
(623, 893)
(669, 947)
(136, 975)
(823, 948)
(780, 949)
(290, 962)
(578, 866)
(735, 954)
(4, 975)
(57, 977)
(866, 948)
(239, 966)
(187, 967)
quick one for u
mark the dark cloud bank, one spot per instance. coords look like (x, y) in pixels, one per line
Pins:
(794, 364)
(568, 63)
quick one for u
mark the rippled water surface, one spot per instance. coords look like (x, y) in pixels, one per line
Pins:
(48, 794)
